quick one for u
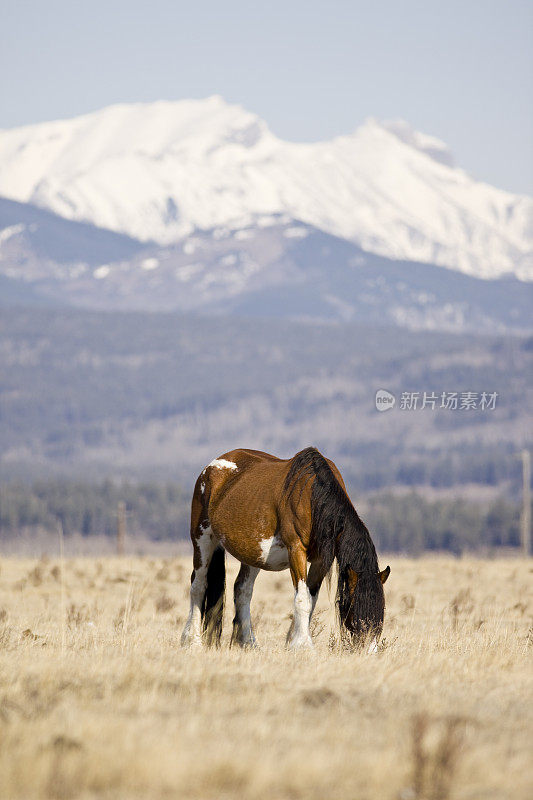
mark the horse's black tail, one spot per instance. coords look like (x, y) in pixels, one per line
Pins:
(213, 603)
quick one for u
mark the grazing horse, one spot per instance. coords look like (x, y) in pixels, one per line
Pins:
(273, 514)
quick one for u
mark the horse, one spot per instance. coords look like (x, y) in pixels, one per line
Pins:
(275, 514)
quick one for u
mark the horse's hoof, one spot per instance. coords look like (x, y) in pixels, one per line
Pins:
(301, 644)
(245, 644)
(191, 643)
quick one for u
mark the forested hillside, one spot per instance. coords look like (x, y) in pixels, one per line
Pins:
(157, 396)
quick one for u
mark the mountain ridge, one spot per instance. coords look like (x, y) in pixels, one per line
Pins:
(161, 171)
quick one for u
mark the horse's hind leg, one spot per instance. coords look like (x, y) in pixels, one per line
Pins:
(204, 544)
(243, 634)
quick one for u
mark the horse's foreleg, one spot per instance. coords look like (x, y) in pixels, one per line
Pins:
(299, 635)
(243, 634)
(204, 544)
(314, 582)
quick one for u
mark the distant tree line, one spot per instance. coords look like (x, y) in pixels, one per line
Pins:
(410, 523)
(154, 510)
(406, 523)
(465, 463)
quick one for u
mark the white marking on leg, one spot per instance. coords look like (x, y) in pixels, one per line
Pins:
(274, 554)
(222, 463)
(302, 608)
(206, 542)
(205, 527)
(373, 646)
(243, 598)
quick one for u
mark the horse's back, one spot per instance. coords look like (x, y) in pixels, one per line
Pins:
(244, 455)
(246, 473)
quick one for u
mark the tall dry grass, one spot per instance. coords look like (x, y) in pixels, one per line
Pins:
(97, 700)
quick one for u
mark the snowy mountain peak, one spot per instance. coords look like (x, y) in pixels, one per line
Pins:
(430, 145)
(158, 171)
(145, 128)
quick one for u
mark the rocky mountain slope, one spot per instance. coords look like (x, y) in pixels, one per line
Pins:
(284, 269)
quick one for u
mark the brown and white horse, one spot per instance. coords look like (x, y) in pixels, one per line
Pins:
(275, 514)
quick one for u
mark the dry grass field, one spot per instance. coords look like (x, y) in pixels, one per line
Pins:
(97, 700)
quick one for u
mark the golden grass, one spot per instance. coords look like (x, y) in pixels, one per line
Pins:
(100, 701)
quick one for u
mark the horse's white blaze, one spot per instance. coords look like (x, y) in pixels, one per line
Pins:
(274, 554)
(373, 646)
(202, 488)
(302, 608)
(222, 463)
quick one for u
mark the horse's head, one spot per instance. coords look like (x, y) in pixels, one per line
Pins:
(361, 602)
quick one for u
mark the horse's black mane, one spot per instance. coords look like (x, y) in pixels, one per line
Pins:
(338, 532)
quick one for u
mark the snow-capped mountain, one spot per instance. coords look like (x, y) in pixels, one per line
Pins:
(161, 171)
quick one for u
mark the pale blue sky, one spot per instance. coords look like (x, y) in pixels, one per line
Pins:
(458, 69)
